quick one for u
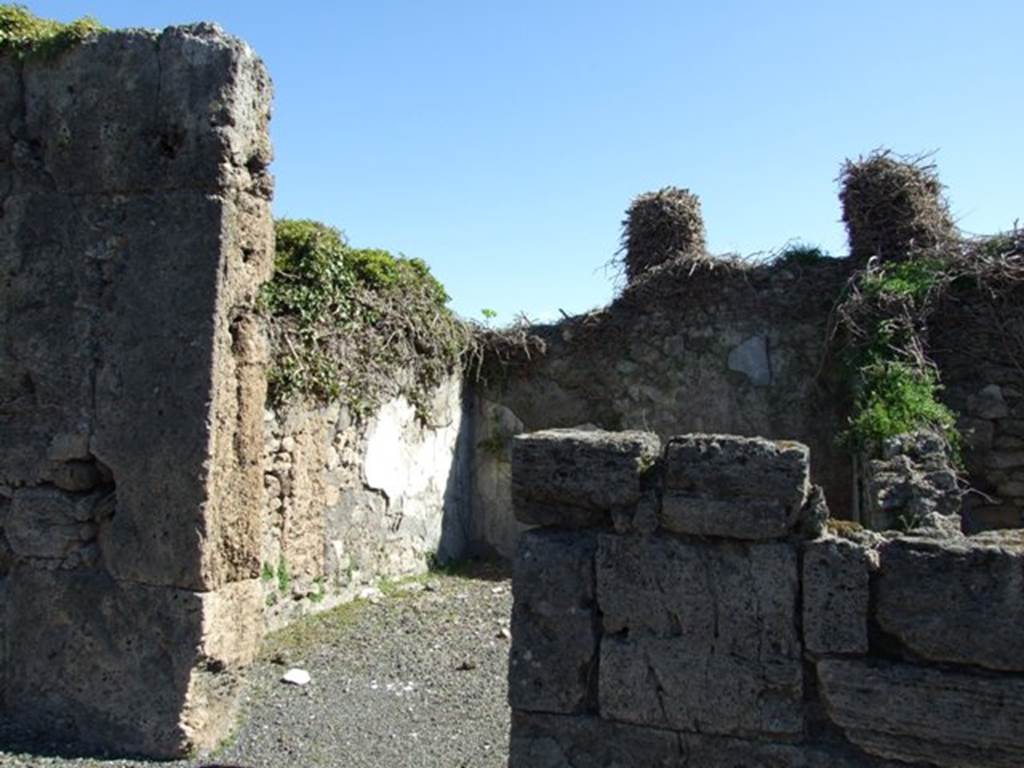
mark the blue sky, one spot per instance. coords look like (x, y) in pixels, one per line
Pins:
(502, 141)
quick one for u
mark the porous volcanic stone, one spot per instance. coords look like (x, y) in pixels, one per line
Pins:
(575, 478)
(737, 487)
(921, 715)
(141, 669)
(558, 741)
(699, 636)
(957, 600)
(553, 657)
(836, 596)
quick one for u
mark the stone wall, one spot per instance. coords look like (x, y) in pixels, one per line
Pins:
(350, 501)
(719, 347)
(711, 347)
(134, 230)
(977, 338)
(694, 607)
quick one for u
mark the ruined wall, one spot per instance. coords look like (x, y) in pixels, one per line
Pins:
(687, 348)
(977, 338)
(692, 607)
(715, 347)
(352, 500)
(135, 229)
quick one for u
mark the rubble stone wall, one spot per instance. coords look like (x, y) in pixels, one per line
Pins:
(716, 347)
(977, 338)
(135, 228)
(349, 501)
(709, 349)
(694, 606)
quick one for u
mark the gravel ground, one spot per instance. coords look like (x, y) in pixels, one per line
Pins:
(415, 678)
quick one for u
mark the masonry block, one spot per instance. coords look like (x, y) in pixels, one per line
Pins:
(553, 658)
(575, 478)
(836, 596)
(140, 669)
(736, 487)
(920, 715)
(957, 600)
(699, 636)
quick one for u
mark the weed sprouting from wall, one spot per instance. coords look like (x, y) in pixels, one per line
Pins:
(662, 226)
(800, 254)
(896, 387)
(359, 325)
(25, 34)
(901, 232)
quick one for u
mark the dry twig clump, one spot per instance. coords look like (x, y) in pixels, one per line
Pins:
(893, 206)
(662, 226)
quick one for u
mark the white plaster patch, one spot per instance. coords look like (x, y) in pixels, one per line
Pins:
(750, 358)
(411, 464)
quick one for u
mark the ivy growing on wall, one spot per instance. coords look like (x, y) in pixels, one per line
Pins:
(24, 34)
(355, 324)
(884, 317)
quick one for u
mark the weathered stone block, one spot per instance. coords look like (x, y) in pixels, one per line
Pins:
(699, 636)
(574, 477)
(740, 487)
(913, 484)
(733, 518)
(48, 523)
(135, 232)
(151, 670)
(558, 741)
(139, 111)
(920, 715)
(552, 661)
(957, 600)
(836, 596)
(663, 683)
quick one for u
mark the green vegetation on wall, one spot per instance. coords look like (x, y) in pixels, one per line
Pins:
(25, 34)
(355, 324)
(896, 388)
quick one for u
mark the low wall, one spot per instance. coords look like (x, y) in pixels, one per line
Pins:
(694, 607)
(135, 230)
(688, 348)
(350, 501)
(719, 347)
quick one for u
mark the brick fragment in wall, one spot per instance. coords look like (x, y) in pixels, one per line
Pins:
(1011, 489)
(923, 715)
(989, 517)
(958, 600)
(836, 596)
(699, 636)
(575, 477)
(552, 660)
(724, 485)
(1008, 443)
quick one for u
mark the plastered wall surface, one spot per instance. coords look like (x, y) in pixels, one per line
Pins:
(350, 501)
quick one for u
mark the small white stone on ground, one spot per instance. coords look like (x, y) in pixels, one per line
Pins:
(296, 677)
